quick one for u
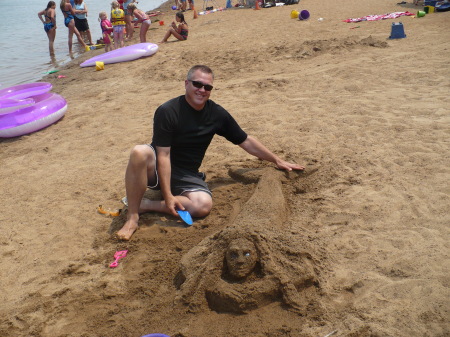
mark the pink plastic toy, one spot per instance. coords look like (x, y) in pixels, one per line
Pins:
(117, 256)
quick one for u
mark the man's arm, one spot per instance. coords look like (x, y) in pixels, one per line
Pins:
(164, 174)
(257, 149)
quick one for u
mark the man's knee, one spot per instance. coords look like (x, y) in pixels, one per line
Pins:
(141, 154)
(202, 204)
(204, 209)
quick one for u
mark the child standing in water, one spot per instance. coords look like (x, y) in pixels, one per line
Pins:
(180, 32)
(143, 18)
(107, 29)
(118, 23)
(49, 24)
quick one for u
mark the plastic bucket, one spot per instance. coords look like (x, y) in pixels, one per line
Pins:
(161, 23)
(99, 65)
(294, 14)
(304, 15)
(428, 9)
(420, 14)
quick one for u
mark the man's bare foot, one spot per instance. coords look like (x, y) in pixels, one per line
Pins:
(127, 230)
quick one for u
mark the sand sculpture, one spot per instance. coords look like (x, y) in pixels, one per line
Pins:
(249, 264)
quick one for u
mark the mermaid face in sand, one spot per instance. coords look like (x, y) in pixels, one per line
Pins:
(241, 258)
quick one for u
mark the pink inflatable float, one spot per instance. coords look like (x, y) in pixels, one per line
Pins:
(26, 108)
(124, 54)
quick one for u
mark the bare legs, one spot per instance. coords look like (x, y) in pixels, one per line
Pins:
(143, 32)
(87, 35)
(172, 31)
(141, 168)
(72, 30)
(129, 27)
(51, 34)
(140, 171)
(118, 39)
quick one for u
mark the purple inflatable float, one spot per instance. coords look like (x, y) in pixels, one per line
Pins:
(124, 54)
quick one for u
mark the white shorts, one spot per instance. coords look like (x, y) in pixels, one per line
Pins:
(118, 28)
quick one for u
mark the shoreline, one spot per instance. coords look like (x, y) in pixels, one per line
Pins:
(59, 65)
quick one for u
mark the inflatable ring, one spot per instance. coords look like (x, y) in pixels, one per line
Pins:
(124, 54)
(8, 105)
(49, 108)
(25, 90)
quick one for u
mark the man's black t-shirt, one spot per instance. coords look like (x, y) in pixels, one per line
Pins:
(189, 132)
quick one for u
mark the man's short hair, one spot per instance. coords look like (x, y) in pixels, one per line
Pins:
(204, 69)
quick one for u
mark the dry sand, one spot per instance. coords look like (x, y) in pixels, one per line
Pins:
(368, 116)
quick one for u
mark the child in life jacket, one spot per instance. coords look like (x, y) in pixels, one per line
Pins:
(118, 23)
(107, 29)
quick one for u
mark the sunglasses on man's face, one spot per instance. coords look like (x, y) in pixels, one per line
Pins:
(200, 85)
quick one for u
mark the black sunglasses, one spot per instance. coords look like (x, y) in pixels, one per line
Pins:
(200, 85)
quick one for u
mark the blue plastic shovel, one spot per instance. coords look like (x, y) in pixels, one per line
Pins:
(186, 217)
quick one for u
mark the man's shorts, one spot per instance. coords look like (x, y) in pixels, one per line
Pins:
(182, 180)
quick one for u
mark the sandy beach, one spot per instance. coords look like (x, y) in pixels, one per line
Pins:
(362, 235)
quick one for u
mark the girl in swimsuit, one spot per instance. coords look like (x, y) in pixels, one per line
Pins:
(143, 18)
(49, 24)
(180, 32)
(69, 22)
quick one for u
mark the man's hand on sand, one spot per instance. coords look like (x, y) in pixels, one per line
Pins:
(284, 165)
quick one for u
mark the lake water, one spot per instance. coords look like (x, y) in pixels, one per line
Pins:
(24, 44)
